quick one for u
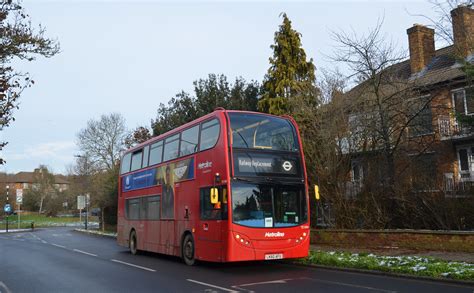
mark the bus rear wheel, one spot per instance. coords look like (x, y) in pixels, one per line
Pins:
(188, 250)
(133, 243)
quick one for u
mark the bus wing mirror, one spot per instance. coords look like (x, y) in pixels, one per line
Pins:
(214, 195)
(316, 192)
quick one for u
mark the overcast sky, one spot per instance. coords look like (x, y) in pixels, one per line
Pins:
(129, 56)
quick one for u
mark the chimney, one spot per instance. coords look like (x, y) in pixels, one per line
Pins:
(463, 30)
(422, 47)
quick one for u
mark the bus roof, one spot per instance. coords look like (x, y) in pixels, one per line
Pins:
(215, 113)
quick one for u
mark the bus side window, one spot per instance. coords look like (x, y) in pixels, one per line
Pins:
(125, 167)
(211, 211)
(136, 160)
(146, 151)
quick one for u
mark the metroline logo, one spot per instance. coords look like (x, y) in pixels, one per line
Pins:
(274, 234)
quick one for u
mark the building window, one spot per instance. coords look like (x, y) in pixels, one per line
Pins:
(25, 186)
(421, 120)
(463, 101)
(466, 163)
(357, 171)
(423, 171)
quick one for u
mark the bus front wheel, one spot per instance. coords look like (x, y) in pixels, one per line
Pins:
(133, 243)
(188, 250)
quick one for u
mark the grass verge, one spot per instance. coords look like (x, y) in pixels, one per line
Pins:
(42, 221)
(412, 265)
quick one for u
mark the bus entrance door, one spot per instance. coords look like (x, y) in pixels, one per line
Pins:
(210, 230)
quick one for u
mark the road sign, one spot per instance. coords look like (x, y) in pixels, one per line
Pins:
(19, 196)
(81, 202)
(7, 208)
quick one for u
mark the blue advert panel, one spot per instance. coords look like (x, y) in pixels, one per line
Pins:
(167, 174)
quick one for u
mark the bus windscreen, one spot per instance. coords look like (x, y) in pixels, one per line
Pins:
(254, 131)
(268, 205)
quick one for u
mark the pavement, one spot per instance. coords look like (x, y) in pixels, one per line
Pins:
(62, 260)
(14, 230)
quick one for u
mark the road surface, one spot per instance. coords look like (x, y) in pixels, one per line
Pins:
(62, 260)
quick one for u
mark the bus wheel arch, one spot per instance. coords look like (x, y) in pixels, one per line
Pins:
(133, 242)
(188, 248)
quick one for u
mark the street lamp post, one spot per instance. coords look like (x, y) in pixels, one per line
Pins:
(88, 198)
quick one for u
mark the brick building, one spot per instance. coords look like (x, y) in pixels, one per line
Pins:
(25, 181)
(439, 140)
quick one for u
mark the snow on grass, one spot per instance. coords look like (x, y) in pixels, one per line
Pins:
(415, 265)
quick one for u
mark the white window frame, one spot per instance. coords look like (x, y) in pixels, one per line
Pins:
(357, 164)
(470, 162)
(463, 90)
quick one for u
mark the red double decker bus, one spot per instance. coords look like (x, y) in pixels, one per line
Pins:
(229, 186)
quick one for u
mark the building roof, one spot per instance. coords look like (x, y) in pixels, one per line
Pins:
(6, 178)
(442, 68)
(28, 177)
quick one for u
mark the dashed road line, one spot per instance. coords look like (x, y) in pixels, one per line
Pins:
(4, 288)
(212, 286)
(44, 242)
(85, 252)
(57, 245)
(133, 265)
(239, 287)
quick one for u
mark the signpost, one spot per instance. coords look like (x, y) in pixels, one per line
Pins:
(19, 201)
(7, 209)
(81, 204)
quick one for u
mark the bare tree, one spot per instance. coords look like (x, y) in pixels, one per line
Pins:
(103, 140)
(385, 104)
(139, 135)
(385, 111)
(19, 41)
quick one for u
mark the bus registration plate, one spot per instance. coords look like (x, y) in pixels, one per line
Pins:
(274, 256)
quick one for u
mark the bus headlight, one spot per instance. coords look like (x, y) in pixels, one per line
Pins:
(242, 239)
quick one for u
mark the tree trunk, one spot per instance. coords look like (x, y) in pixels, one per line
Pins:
(41, 204)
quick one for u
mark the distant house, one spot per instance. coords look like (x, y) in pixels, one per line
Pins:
(26, 180)
(447, 162)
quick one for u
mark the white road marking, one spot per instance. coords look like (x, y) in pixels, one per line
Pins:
(57, 245)
(132, 265)
(44, 241)
(34, 236)
(212, 286)
(239, 287)
(4, 288)
(350, 285)
(282, 281)
(84, 252)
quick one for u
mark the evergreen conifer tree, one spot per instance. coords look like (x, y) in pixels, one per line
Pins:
(290, 75)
